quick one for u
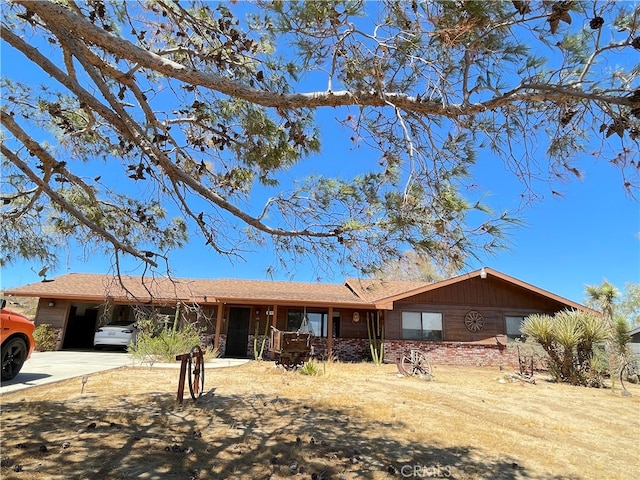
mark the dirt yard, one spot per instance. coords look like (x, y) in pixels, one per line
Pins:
(350, 421)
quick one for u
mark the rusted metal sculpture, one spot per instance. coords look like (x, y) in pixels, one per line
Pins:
(630, 372)
(191, 367)
(526, 369)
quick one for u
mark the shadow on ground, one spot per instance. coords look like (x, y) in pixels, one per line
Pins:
(222, 437)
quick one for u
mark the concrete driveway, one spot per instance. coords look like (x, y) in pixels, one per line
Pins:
(49, 367)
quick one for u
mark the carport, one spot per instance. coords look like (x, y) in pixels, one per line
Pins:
(75, 322)
(80, 325)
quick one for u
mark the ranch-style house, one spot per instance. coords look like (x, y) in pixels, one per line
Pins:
(467, 320)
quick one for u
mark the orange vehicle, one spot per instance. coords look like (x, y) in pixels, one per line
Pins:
(16, 339)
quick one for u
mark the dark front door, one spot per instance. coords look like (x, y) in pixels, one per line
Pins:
(238, 332)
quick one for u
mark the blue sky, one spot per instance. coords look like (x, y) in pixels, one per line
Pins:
(590, 234)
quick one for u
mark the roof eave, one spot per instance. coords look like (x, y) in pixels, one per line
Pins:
(296, 302)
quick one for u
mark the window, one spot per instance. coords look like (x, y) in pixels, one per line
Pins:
(318, 322)
(294, 320)
(422, 326)
(512, 326)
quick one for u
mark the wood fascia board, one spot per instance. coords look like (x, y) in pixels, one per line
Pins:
(59, 296)
(200, 300)
(96, 298)
(296, 303)
(426, 288)
(538, 290)
(384, 305)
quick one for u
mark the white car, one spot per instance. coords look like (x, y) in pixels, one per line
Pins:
(117, 334)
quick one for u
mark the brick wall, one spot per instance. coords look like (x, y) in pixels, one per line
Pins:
(351, 349)
(454, 353)
(222, 344)
(438, 353)
(344, 349)
(265, 353)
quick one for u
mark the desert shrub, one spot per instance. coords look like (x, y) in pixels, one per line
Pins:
(210, 353)
(162, 345)
(45, 337)
(310, 368)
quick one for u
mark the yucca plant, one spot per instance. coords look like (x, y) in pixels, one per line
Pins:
(595, 332)
(309, 368)
(538, 326)
(568, 331)
(621, 337)
(605, 295)
(621, 352)
(569, 339)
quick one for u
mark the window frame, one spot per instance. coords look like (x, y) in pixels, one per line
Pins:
(426, 335)
(512, 337)
(320, 325)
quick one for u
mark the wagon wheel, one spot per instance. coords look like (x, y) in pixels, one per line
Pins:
(473, 321)
(631, 373)
(415, 364)
(196, 372)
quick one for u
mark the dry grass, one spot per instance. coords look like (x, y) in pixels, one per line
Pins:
(352, 421)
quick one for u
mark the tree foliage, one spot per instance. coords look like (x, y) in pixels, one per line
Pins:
(142, 123)
(628, 305)
(415, 267)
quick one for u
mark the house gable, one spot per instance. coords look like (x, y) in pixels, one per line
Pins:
(491, 292)
(485, 287)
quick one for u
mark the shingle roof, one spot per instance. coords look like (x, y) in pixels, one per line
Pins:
(296, 291)
(98, 287)
(356, 293)
(374, 290)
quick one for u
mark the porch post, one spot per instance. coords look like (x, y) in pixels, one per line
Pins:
(274, 323)
(216, 338)
(330, 333)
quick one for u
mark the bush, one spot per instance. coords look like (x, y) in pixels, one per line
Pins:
(45, 337)
(162, 345)
(309, 368)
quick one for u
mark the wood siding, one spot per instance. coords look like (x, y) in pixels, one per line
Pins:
(454, 329)
(488, 292)
(492, 298)
(56, 316)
